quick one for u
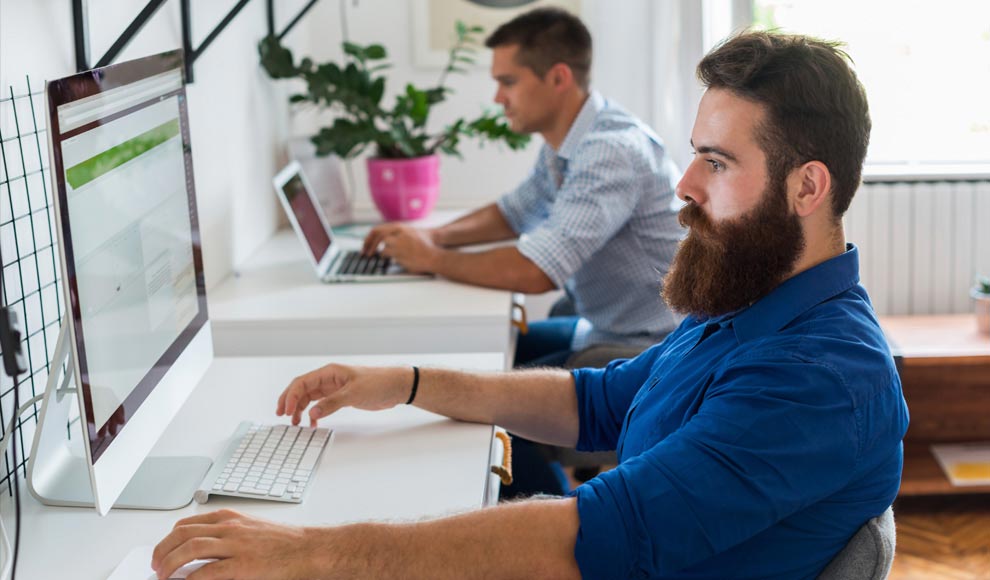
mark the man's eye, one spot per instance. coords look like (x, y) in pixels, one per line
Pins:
(715, 164)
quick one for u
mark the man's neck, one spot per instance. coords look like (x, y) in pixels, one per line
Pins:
(561, 124)
(825, 248)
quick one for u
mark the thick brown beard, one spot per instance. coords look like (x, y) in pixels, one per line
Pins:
(723, 267)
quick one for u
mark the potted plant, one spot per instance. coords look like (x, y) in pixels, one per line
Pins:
(981, 296)
(403, 174)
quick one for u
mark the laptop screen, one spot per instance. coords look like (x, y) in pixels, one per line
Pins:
(307, 216)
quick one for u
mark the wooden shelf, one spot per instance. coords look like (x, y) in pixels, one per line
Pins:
(923, 475)
(944, 365)
(936, 340)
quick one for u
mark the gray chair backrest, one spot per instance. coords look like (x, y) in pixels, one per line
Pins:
(599, 355)
(869, 553)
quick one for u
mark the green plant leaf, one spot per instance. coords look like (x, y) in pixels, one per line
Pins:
(276, 59)
(353, 92)
(345, 138)
(403, 140)
(436, 95)
(354, 50)
(418, 105)
(375, 52)
(376, 91)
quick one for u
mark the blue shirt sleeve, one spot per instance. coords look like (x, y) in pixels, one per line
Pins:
(597, 197)
(529, 203)
(772, 435)
(604, 396)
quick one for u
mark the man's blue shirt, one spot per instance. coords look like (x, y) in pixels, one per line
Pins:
(752, 445)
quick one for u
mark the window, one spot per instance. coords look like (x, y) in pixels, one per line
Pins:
(925, 66)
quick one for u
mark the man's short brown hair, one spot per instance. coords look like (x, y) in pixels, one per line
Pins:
(816, 108)
(547, 36)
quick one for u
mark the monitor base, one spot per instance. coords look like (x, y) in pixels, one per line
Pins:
(58, 474)
(161, 483)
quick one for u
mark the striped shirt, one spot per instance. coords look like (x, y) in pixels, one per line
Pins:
(599, 218)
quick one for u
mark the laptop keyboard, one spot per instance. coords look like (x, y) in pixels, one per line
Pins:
(273, 462)
(356, 263)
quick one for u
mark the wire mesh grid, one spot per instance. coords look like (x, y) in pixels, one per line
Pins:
(30, 281)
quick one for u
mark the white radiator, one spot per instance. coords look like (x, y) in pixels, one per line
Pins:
(921, 243)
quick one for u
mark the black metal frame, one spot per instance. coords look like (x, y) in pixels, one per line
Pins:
(80, 22)
(80, 26)
(292, 23)
(17, 267)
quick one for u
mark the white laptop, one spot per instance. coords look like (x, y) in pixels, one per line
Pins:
(332, 263)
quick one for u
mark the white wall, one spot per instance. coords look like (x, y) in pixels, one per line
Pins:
(240, 119)
(237, 115)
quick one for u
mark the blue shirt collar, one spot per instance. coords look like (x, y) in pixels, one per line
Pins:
(796, 295)
(581, 125)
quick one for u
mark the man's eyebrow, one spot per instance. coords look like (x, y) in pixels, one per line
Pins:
(717, 151)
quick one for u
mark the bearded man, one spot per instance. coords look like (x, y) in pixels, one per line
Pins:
(753, 442)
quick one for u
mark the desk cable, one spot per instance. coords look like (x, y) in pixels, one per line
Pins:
(14, 365)
(8, 565)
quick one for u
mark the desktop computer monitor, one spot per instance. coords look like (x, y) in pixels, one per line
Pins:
(136, 326)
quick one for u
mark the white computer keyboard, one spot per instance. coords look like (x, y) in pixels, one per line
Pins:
(274, 462)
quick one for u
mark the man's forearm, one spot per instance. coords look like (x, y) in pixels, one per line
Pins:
(501, 268)
(531, 539)
(478, 227)
(539, 404)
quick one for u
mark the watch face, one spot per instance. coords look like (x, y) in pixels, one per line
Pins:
(502, 3)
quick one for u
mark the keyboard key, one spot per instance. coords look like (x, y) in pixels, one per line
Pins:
(309, 458)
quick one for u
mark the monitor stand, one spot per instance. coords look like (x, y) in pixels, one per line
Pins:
(58, 473)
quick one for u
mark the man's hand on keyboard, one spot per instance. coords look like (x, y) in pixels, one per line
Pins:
(412, 248)
(336, 386)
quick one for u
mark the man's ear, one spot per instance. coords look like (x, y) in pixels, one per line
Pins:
(561, 76)
(813, 185)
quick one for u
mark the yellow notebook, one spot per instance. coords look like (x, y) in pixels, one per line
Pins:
(964, 463)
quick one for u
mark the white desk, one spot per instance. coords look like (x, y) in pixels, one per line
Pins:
(403, 463)
(275, 306)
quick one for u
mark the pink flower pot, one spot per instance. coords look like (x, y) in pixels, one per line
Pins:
(404, 189)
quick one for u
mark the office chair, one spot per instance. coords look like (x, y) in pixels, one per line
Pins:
(586, 464)
(869, 553)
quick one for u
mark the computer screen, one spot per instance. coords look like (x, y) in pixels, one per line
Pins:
(306, 216)
(130, 252)
(134, 267)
